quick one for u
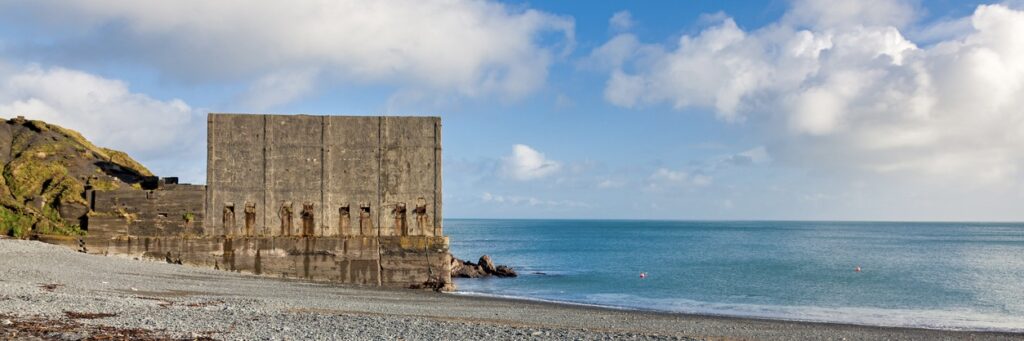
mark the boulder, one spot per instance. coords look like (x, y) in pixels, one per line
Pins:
(464, 269)
(487, 264)
(484, 268)
(504, 271)
(435, 285)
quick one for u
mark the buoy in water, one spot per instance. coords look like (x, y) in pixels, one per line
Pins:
(643, 275)
(857, 269)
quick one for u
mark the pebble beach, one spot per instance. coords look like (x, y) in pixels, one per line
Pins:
(51, 292)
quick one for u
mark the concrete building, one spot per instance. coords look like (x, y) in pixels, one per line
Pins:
(333, 198)
(285, 175)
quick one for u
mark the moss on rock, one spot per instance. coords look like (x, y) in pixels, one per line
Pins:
(15, 224)
(47, 169)
(105, 184)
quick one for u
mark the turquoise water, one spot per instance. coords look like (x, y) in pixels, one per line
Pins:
(934, 275)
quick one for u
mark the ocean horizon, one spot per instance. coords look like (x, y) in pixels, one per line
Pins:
(938, 275)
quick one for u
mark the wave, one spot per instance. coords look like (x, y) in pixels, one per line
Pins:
(956, 319)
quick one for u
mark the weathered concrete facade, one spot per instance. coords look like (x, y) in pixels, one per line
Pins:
(334, 198)
(170, 209)
(275, 175)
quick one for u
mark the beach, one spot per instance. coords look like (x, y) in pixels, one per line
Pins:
(48, 285)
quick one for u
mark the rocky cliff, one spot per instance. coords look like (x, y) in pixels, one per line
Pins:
(46, 169)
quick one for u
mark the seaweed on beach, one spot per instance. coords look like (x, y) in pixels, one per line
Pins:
(17, 328)
(51, 287)
(87, 316)
(204, 304)
(163, 303)
(160, 302)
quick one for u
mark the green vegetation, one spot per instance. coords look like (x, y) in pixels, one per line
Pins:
(117, 157)
(45, 175)
(29, 177)
(14, 224)
(37, 125)
(105, 185)
(122, 159)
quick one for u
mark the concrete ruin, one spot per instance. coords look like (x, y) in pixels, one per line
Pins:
(333, 198)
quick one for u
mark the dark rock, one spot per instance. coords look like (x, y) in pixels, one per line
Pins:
(435, 285)
(485, 268)
(465, 269)
(172, 260)
(504, 271)
(487, 264)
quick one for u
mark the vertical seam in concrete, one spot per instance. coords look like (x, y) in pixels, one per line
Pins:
(323, 175)
(437, 194)
(437, 170)
(380, 204)
(266, 205)
(209, 172)
(381, 129)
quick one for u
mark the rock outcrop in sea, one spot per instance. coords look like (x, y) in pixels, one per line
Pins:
(483, 268)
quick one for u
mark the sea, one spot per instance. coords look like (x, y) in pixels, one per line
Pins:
(940, 275)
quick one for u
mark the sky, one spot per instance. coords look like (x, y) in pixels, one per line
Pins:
(724, 110)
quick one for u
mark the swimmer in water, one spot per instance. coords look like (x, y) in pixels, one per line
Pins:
(857, 269)
(643, 275)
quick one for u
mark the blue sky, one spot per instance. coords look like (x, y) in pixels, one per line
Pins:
(804, 109)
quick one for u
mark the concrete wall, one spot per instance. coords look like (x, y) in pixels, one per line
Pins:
(332, 165)
(294, 172)
(236, 159)
(402, 262)
(410, 176)
(370, 188)
(352, 175)
(160, 212)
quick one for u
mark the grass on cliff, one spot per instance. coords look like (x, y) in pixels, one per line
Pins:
(46, 172)
(117, 157)
(14, 224)
(30, 177)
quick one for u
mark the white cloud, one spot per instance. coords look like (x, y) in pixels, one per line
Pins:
(526, 163)
(614, 53)
(465, 47)
(514, 200)
(664, 178)
(106, 112)
(278, 88)
(830, 14)
(710, 70)
(621, 21)
(609, 183)
(754, 156)
(836, 84)
(670, 175)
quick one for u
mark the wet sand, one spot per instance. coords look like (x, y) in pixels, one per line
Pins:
(51, 283)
